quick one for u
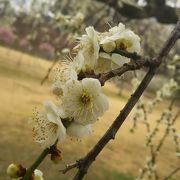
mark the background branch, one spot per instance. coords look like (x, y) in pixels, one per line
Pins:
(154, 8)
(172, 173)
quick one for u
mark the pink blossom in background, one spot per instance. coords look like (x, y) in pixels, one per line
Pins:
(24, 43)
(46, 47)
(7, 36)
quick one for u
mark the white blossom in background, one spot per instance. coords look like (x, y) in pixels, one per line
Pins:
(169, 88)
(69, 21)
(47, 126)
(84, 101)
(77, 20)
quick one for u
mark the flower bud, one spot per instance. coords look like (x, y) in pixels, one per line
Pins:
(109, 46)
(15, 170)
(38, 175)
(56, 156)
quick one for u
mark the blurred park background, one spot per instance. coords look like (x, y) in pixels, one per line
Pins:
(35, 35)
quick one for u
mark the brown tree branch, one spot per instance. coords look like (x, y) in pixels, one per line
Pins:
(84, 163)
(157, 9)
(131, 55)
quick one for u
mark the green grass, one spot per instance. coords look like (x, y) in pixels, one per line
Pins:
(114, 175)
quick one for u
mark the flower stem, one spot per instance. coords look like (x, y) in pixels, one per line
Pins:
(38, 161)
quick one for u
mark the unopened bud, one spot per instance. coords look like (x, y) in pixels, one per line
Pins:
(56, 156)
(38, 175)
(109, 46)
(15, 170)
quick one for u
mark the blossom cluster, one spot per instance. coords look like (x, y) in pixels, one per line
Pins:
(82, 101)
(70, 21)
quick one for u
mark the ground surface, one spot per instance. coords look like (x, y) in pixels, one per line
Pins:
(20, 91)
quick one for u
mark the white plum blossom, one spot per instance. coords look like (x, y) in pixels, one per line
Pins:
(127, 40)
(47, 126)
(84, 101)
(81, 97)
(63, 74)
(89, 46)
(79, 130)
(78, 63)
(118, 38)
(117, 29)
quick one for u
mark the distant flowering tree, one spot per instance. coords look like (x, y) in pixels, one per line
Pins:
(7, 36)
(24, 43)
(47, 49)
(78, 83)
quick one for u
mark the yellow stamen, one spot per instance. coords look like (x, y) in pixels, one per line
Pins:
(85, 98)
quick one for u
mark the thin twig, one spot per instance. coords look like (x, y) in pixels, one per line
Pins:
(131, 55)
(131, 66)
(69, 167)
(49, 71)
(172, 173)
(38, 161)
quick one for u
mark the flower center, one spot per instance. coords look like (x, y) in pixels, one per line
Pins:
(123, 44)
(91, 49)
(85, 98)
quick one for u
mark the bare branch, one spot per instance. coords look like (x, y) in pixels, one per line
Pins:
(131, 55)
(69, 167)
(131, 66)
